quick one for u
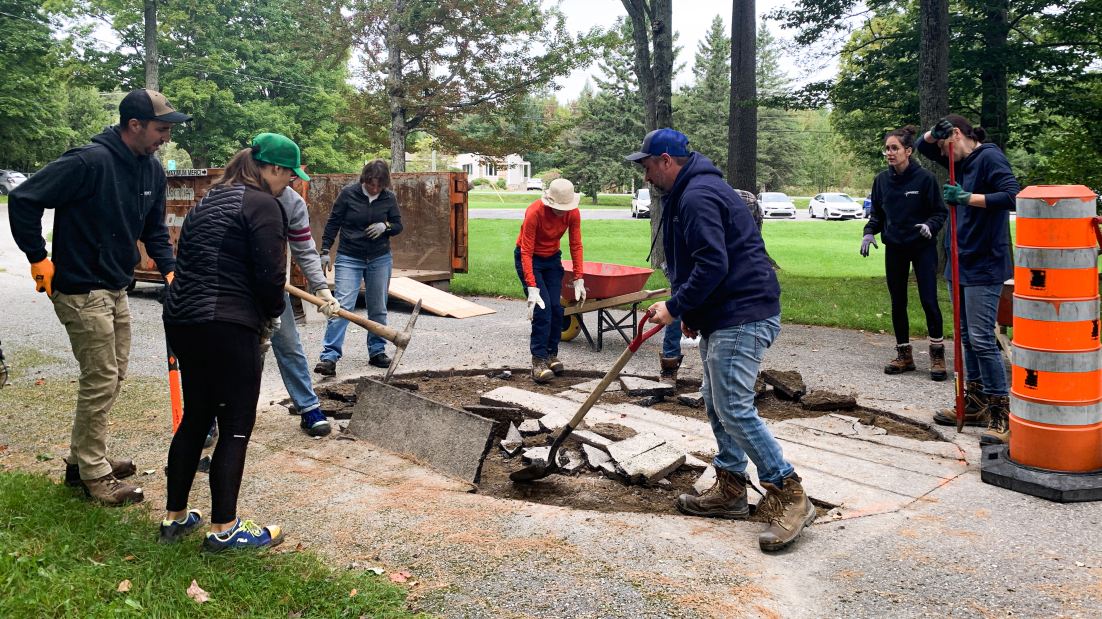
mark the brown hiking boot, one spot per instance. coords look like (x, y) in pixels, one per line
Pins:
(725, 499)
(998, 428)
(555, 365)
(112, 491)
(540, 372)
(121, 469)
(975, 408)
(670, 365)
(788, 510)
(903, 361)
(937, 362)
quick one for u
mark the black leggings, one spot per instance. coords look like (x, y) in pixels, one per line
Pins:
(220, 367)
(897, 266)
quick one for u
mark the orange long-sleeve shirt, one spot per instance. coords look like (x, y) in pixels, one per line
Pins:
(540, 234)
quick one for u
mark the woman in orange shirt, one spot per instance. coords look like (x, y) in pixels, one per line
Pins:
(539, 265)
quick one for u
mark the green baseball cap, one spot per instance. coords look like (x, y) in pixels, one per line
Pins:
(278, 150)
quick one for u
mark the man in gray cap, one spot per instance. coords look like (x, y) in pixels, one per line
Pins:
(106, 196)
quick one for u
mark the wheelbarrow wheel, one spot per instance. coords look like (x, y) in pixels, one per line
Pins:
(571, 328)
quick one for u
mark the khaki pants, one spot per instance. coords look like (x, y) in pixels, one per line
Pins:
(98, 324)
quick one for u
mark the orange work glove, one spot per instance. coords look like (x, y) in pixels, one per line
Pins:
(43, 274)
(171, 275)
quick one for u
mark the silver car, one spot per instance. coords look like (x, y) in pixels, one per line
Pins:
(10, 179)
(776, 205)
(834, 206)
(640, 204)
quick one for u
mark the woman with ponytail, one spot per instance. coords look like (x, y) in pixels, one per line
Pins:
(907, 213)
(983, 198)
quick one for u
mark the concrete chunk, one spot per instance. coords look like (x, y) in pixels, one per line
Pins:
(512, 442)
(827, 401)
(574, 462)
(786, 385)
(538, 404)
(451, 440)
(529, 427)
(694, 400)
(589, 386)
(591, 438)
(594, 456)
(863, 430)
(627, 449)
(535, 455)
(636, 386)
(650, 400)
(706, 480)
(652, 465)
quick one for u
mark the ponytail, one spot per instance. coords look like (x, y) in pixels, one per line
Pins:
(245, 170)
(979, 134)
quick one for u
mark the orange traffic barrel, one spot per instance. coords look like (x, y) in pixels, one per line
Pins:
(1056, 379)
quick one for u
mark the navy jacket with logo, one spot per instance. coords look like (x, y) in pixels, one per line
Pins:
(983, 234)
(719, 272)
(902, 201)
(104, 199)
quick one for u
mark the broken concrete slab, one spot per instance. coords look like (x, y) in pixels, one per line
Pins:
(695, 463)
(786, 385)
(574, 462)
(451, 440)
(694, 400)
(336, 409)
(653, 464)
(706, 480)
(843, 417)
(650, 400)
(528, 427)
(535, 455)
(635, 386)
(612, 432)
(827, 423)
(595, 456)
(554, 412)
(820, 400)
(634, 446)
(591, 438)
(512, 442)
(503, 415)
(863, 430)
(590, 385)
(342, 392)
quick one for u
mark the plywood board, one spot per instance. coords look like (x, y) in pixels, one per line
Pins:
(436, 301)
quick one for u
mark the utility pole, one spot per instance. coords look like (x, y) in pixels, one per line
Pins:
(152, 71)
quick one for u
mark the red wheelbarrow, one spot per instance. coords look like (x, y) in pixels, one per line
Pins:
(607, 286)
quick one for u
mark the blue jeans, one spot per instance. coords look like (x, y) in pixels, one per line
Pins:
(731, 359)
(671, 340)
(979, 308)
(348, 274)
(291, 361)
(546, 322)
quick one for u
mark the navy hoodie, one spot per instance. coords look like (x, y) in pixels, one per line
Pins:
(718, 269)
(983, 234)
(105, 200)
(902, 201)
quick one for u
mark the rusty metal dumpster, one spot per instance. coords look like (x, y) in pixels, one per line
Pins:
(431, 248)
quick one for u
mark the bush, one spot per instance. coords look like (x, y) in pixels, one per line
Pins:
(501, 184)
(550, 175)
(479, 181)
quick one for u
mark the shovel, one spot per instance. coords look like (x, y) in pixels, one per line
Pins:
(538, 469)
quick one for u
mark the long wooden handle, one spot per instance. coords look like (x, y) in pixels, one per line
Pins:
(382, 331)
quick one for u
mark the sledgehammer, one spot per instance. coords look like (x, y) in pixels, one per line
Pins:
(398, 338)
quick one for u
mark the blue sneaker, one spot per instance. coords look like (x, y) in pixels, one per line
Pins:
(243, 534)
(172, 530)
(315, 423)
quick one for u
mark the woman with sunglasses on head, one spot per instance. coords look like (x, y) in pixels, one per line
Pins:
(983, 198)
(907, 212)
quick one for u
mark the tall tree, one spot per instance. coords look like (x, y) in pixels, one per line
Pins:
(742, 145)
(701, 110)
(152, 68)
(436, 62)
(933, 66)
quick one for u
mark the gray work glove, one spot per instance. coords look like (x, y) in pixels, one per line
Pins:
(924, 230)
(374, 231)
(867, 240)
(325, 260)
(269, 328)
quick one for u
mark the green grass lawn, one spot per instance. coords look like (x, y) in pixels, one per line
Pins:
(824, 280)
(61, 556)
(489, 199)
(3, 199)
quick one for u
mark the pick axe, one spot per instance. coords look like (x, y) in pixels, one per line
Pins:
(399, 338)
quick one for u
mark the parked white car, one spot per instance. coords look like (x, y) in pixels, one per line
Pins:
(534, 183)
(834, 206)
(776, 205)
(10, 179)
(640, 204)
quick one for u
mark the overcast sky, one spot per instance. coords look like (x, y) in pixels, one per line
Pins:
(691, 19)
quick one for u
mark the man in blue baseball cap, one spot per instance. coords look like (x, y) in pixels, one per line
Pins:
(725, 290)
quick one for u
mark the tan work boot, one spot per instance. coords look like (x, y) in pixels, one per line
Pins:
(903, 361)
(121, 469)
(998, 426)
(670, 366)
(555, 365)
(975, 408)
(112, 491)
(788, 510)
(725, 499)
(937, 362)
(540, 372)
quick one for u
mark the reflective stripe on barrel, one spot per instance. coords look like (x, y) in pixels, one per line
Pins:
(1081, 414)
(1062, 209)
(1058, 378)
(1050, 272)
(1055, 324)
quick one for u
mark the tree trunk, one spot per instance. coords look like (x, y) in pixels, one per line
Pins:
(993, 107)
(399, 129)
(152, 70)
(662, 35)
(637, 12)
(933, 87)
(742, 141)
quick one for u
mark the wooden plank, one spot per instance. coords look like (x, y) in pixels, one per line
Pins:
(436, 301)
(624, 299)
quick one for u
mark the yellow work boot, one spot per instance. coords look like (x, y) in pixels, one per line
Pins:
(541, 373)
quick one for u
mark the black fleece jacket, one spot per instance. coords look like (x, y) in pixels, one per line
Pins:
(352, 214)
(902, 201)
(105, 199)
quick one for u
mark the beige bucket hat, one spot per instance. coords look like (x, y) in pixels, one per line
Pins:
(560, 195)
